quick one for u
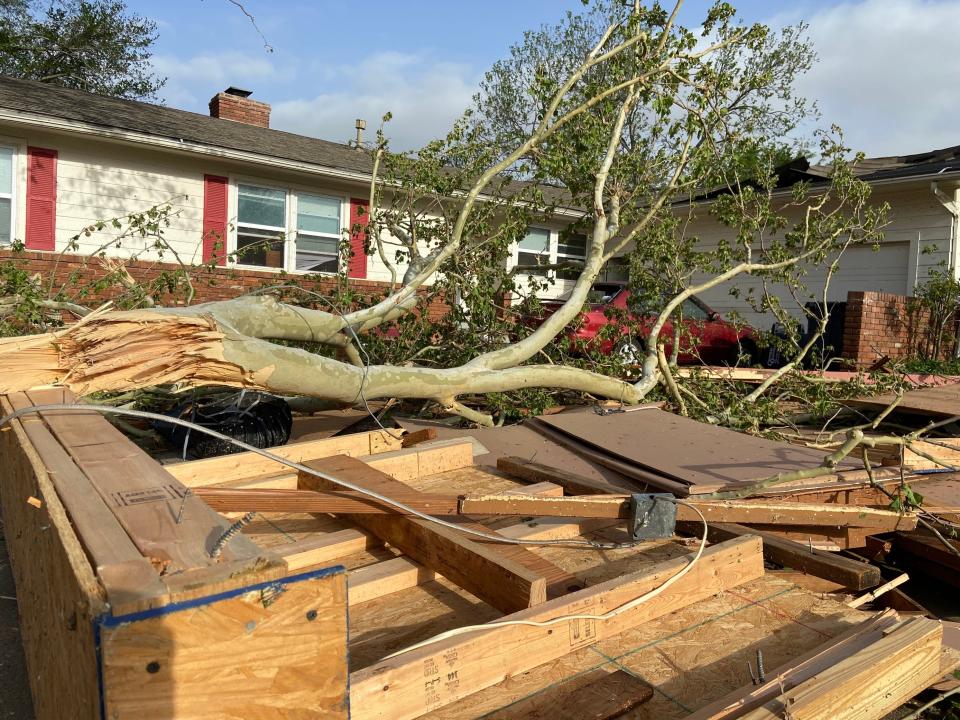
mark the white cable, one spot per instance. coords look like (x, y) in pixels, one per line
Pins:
(565, 618)
(316, 473)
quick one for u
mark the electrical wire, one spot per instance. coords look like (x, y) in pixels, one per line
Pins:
(491, 537)
(579, 616)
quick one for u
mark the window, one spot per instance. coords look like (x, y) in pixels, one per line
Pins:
(6, 195)
(534, 250)
(318, 233)
(616, 270)
(261, 225)
(571, 248)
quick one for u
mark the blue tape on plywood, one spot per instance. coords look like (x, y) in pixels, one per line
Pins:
(107, 621)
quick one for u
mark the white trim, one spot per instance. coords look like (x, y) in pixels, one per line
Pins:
(13, 195)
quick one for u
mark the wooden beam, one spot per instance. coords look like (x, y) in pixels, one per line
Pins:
(845, 571)
(869, 683)
(498, 578)
(594, 695)
(332, 501)
(593, 506)
(800, 669)
(417, 682)
(243, 465)
(574, 484)
(174, 531)
(400, 573)
(419, 436)
(403, 465)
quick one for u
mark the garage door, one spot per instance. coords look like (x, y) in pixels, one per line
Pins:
(863, 268)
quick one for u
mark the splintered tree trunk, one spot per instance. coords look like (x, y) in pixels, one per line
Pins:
(143, 348)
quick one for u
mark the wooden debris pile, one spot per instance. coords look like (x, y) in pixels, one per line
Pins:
(239, 586)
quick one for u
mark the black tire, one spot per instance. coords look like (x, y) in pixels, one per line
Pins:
(630, 350)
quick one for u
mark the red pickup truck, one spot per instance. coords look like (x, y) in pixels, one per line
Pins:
(707, 337)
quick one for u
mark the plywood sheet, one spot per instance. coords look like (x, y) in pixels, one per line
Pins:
(942, 401)
(523, 441)
(705, 457)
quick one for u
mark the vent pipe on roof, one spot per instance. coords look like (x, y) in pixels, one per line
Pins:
(235, 104)
(360, 125)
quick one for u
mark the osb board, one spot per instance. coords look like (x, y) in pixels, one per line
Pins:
(277, 650)
(691, 657)
(942, 401)
(58, 595)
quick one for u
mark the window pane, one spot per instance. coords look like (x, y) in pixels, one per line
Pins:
(317, 262)
(528, 261)
(308, 243)
(6, 171)
(261, 206)
(5, 221)
(536, 240)
(257, 247)
(572, 245)
(617, 270)
(318, 214)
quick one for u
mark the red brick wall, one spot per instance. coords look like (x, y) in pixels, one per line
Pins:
(209, 284)
(882, 324)
(245, 110)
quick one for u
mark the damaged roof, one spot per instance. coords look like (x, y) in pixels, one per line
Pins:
(932, 162)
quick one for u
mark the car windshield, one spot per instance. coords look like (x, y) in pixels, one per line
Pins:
(603, 293)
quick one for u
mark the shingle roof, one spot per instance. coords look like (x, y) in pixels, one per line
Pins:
(108, 112)
(882, 168)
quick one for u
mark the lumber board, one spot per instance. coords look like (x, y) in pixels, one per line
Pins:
(418, 436)
(172, 529)
(425, 679)
(242, 465)
(572, 483)
(850, 573)
(869, 683)
(122, 569)
(497, 577)
(595, 695)
(332, 501)
(58, 594)
(272, 651)
(404, 465)
(799, 670)
(740, 511)
(390, 576)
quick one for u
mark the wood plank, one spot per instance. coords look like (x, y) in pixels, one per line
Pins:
(416, 682)
(496, 578)
(799, 669)
(400, 573)
(331, 501)
(172, 529)
(739, 511)
(418, 436)
(574, 484)
(595, 695)
(849, 573)
(58, 595)
(403, 465)
(103, 538)
(868, 684)
(238, 466)
(233, 657)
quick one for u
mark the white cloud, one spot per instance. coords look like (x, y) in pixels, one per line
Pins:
(191, 82)
(424, 96)
(887, 73)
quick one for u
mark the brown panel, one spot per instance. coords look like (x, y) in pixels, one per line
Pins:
(278, 651)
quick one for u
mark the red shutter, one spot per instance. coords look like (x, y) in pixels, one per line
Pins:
(215, 219)
(358, 260)
(41, 199)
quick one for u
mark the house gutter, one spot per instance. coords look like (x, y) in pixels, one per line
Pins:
(131, 137)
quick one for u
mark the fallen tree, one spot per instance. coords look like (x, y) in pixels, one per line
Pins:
(651, 114)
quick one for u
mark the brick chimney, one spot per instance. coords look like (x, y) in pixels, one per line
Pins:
(235, 104)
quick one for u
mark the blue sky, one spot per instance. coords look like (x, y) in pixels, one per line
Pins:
(887, 73)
